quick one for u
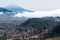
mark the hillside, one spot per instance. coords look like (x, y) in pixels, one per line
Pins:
(34, 26)
(37, 25)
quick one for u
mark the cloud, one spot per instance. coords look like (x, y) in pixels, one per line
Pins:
(39, 14)
(1, 13)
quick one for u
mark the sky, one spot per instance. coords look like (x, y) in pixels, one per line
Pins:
(35, 5)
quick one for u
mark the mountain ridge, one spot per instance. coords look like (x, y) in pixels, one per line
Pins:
(17, 8)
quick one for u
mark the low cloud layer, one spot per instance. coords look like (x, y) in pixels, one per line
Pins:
(39, 14)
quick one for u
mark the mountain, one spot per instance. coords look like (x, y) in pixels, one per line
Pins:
(4, 10)
(12, 9)
(8, 13)
(38, 22)
(48, 25)
(15, 8)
